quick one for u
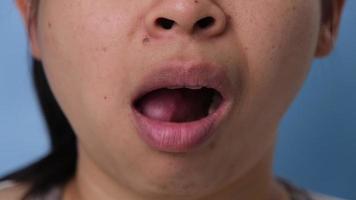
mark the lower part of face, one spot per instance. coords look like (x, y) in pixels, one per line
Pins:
(94, 57)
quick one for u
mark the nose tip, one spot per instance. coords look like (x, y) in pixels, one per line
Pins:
(201, 17)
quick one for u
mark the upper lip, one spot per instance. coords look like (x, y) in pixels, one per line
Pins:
(185, 74)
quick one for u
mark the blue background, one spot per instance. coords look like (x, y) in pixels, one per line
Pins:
(317, 137)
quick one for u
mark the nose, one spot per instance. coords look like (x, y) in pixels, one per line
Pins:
(189, 17)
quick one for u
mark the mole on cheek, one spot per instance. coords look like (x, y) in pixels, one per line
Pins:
(145, 40)
(212, 146)
(49, 25)
(102, 49)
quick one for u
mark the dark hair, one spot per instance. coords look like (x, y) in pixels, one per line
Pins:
(59, 166)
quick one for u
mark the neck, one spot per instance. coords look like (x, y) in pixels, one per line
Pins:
(92, 183)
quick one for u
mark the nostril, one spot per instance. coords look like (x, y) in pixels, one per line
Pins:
(164, 23)
(205, 22)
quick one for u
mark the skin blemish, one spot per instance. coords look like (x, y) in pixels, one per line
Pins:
(212, 146)
(196, 1)
(49, 25)
(146, 40)
(103, 49)
(105, 97)
(228, 18)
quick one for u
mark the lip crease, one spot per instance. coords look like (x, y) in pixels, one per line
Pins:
(182, 136)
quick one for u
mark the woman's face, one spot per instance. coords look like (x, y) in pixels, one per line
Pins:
(99, 54)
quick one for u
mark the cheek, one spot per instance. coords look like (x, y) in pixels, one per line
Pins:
(83, 45)
(279, 39)
(79, 41)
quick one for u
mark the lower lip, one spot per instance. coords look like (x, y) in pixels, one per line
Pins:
(179, 137)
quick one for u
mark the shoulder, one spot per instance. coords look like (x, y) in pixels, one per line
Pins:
(319, 196)
(10, 190)
(298, 193)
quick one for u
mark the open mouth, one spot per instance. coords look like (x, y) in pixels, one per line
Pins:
(179, 105)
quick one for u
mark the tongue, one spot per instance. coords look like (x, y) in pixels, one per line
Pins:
(176, 105)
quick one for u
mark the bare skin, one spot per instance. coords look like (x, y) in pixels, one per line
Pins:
(95, 54)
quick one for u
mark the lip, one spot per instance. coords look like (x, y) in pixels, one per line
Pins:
(184, 136)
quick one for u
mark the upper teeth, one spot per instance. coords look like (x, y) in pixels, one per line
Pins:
(194, 87)
(174, 87)
(189, 87)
